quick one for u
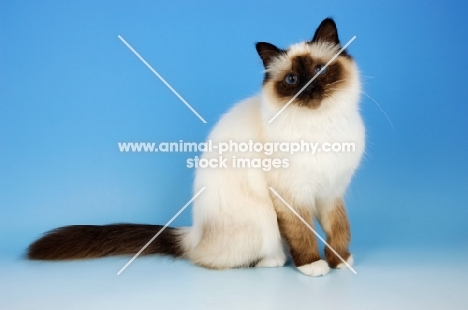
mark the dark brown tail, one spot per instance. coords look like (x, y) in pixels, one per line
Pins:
(90, 241)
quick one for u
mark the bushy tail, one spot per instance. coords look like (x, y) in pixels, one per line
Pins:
(90, 241)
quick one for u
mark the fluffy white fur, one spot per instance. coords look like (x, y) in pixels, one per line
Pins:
(234, 221)
(315, 269)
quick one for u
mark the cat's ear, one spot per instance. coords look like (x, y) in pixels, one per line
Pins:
(267, 52)
(326, 32)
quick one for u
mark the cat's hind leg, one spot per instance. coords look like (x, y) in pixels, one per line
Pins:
(272, 261)
(277, 258)
(272, 254)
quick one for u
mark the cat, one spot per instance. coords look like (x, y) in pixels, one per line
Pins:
(238, 221)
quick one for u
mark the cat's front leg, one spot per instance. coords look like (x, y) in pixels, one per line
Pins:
(335, 224)
(302, 242)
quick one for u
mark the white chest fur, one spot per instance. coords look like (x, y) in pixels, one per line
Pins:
(325, 174)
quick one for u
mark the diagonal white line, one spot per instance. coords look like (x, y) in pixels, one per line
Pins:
(311, 80)
(162, 79)
(160, 231)
(313, 230)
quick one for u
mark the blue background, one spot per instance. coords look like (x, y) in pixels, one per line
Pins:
(70, 90)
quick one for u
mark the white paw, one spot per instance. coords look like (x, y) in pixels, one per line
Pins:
(272, 261)
(350, 262)
(315, 269)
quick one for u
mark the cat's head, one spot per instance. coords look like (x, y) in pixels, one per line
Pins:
(288, 71)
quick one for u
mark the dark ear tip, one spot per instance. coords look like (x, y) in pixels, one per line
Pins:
(258, 46)
(265, 46)
(328, 20)
(267, 52)
(261, 44)
(326, 32)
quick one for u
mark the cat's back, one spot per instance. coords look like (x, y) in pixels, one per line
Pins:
(241, 123)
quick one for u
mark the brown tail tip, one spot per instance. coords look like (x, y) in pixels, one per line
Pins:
(91, 241)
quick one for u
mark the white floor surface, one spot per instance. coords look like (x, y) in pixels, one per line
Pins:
(386, 279)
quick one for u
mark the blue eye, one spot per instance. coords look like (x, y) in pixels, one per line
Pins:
(320, 67)
(291, 79)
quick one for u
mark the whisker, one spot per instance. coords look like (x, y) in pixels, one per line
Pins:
(330, 98)
(378, 105)
(337, 82)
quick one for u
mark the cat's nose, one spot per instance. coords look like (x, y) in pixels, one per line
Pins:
(310, 87)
